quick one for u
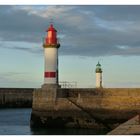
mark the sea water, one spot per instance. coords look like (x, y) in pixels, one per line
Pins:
(17, 122)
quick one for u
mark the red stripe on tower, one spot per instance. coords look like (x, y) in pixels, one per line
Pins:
(50, 74)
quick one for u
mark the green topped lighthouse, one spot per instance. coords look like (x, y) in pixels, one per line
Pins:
(98, 68)
(98, 75)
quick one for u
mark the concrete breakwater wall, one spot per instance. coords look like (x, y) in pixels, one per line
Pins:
(85, 108)
(109, 105)
(16, 97)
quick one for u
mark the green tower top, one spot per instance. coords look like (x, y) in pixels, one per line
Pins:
(98, 68)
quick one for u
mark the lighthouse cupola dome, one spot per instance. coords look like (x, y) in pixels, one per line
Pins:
(98, 68)
(51, 39)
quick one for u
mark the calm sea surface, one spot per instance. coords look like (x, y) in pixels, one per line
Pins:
(17, 122)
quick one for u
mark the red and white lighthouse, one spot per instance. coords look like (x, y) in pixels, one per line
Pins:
(51, 46)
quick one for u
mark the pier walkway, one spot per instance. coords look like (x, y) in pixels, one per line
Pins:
(131, 127)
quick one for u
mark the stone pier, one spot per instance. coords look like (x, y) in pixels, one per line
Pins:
(84, 108)
(130, 127)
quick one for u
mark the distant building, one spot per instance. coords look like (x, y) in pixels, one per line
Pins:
(98, 75)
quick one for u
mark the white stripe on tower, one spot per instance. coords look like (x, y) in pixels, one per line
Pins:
(98, 80)
(50, 75)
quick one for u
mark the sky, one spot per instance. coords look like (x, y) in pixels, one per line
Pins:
(87, 34)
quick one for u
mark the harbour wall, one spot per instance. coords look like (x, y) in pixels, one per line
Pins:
(16, 97)
(116, 104)
(107, 98)
(85, 108)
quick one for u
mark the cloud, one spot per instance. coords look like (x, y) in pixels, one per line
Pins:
(83, 30)
(34, 48)
(118, 13)
(18, 25)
